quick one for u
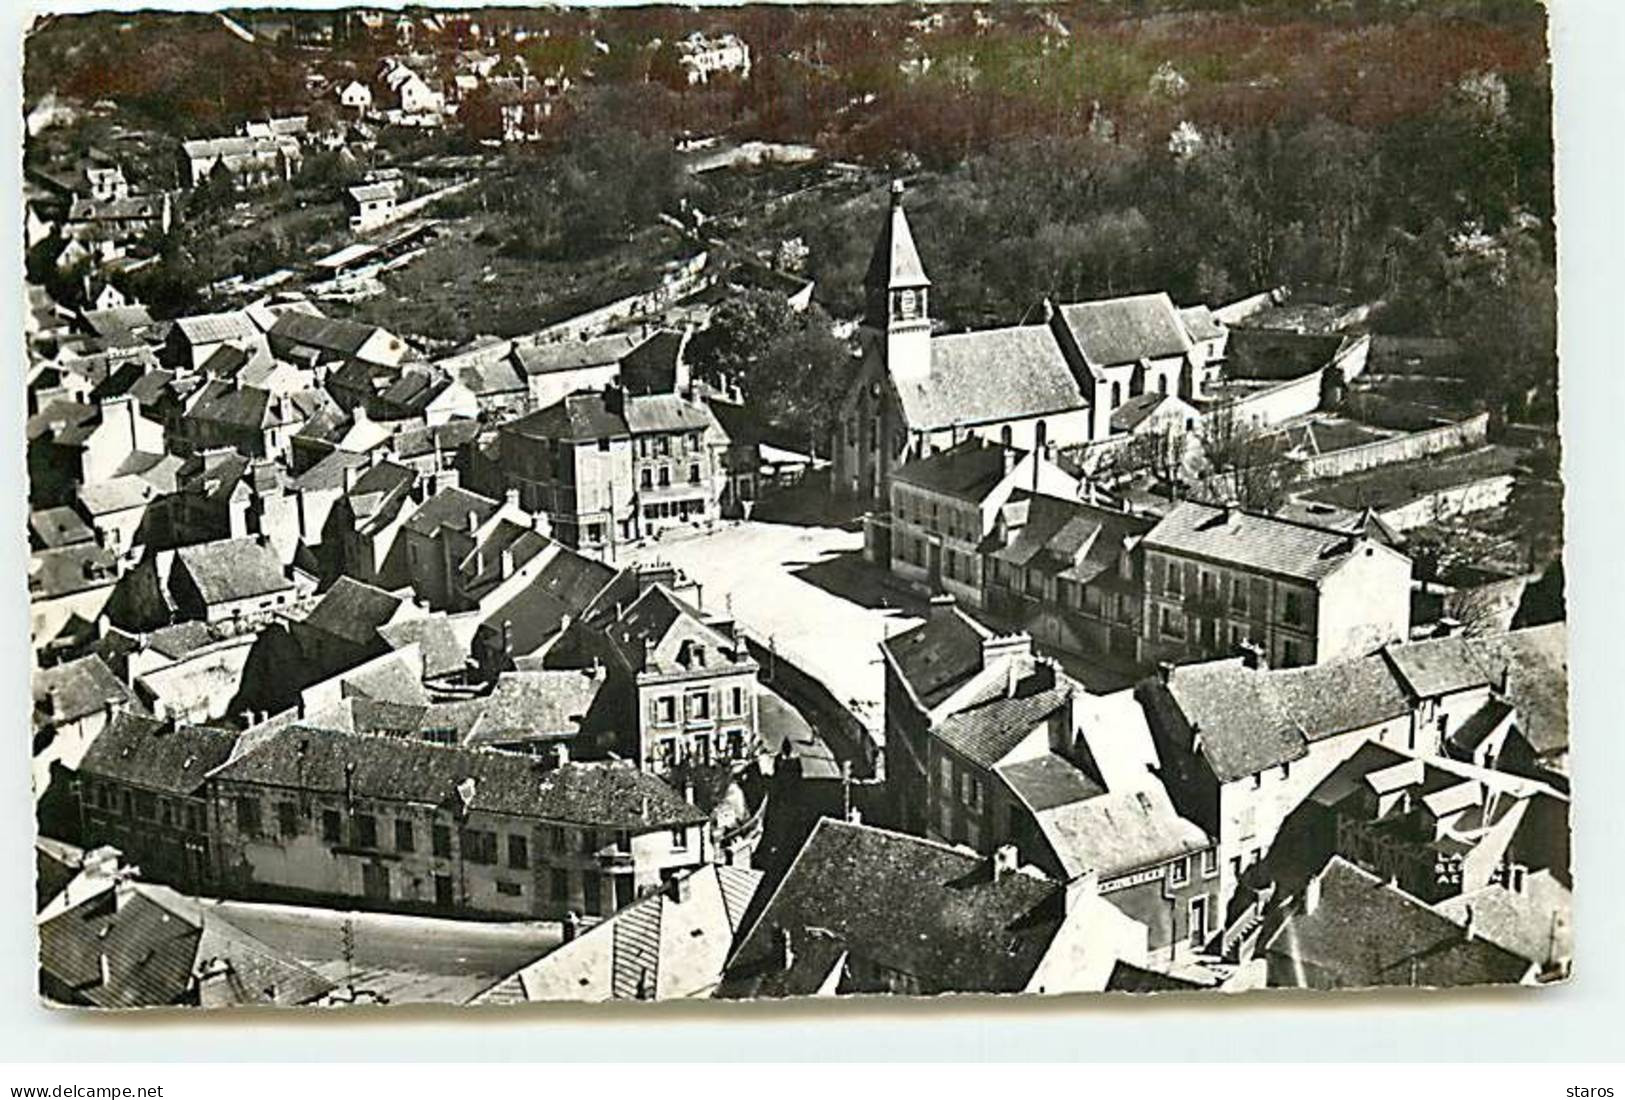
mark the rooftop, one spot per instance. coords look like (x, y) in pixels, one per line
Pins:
(1251, 540)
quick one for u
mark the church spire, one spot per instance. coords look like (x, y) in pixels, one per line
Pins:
(895, 284)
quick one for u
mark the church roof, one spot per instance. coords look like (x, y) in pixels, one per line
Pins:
(989, 376)
(895, 262)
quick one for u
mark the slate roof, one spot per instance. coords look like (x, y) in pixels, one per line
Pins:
(353, 610)
(148, 753)
(901, 902)
(1114, 331)
(1136, 410)
(335, 334)
(578, 417)
(69, 569)
(1366, 933)
(243, 407)
(895, 261)
(232, 569)
(664, 412)
(450, 507)
(443, 649)
(1070, 538)
(1263, 543)
(538, 704)
(178, 640)
(75, 689)
(567, 355)
(1047, 781)
(990, 376)
(59, 526)
(937, 656)
(1119, 832)
(1535, 661)
(565, 586)
(1252, 719)
(986, 733)
(1200, 323)
(969, 470)
(606, 795)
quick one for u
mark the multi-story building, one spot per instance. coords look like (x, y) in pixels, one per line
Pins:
(143, 790)
(401, 823)
(1221, 579)
(608, 467)
(945, 505)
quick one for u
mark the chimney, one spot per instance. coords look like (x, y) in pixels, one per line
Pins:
(349, 478)
(1005, 860)
(1165, 672)
(854, 816)
(681, 887)
(473, 521)
(507, 638)
(1049, 309)
(999, 646)
(1311, 895)
(507, 562)
(1467, 926)
(1008, 457)
(561, 755)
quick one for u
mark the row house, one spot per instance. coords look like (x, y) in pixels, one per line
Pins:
(405, 824)
(1218, 579)
(944, 507)
(246, 162)
(143, 790)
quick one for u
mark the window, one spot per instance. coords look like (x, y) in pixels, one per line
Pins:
(1292, 609)
(736, 699)
(592, 894)
(1179, 872)
(679, 839)
(589, 841)
(364, 831)
(404, 840)
(556, 839)
(945, 768)
(248, 816)
(332, 827)
(666, 710)
(1238, 593)
(518, 853)
(1173, 623)
(441, 838)
(559, 883)
(1125, 608)
(694, 473)
(1210, 863)
(623, 840)
(1258, 780)
(972, 791)
(665, 476)
(510, 889)
(287, 819)
(1174, 584)
(1291, 654)
(1210, 586)
(698, 706)
(603, 445)
(479, 846)
(646, 479)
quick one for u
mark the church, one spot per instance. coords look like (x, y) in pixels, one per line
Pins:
(1051, 384)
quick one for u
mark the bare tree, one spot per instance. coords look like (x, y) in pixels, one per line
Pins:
(1247, 464)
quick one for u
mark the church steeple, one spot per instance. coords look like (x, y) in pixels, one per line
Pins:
(896, 293)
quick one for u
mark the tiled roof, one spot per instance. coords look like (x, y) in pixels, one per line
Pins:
(567, 355)
(212, 328)
(334, 334)
(60, 526)
(1366, 933)
(900, 902)
(542, 703)
(450, 507)
(180, 639)
(1057, 532)
(147, 753)
(1119, 832)
(443, 646)
(1136, 410)
(1252, 719)
(565, 586)
(353, 611)
(1534, 661)
(70, 569)
(1113, 331)
(664, 412)
(990, 376)
(1259, 542)
(244, 407)
(233, 569)
(1200, 323)
(75, 689)
(939, 654)
(607, 795)
(577, 417)
(985, 734)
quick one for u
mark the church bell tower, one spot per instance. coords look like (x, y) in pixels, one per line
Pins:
(896, 297)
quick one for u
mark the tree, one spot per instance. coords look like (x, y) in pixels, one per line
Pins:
(1248, 465)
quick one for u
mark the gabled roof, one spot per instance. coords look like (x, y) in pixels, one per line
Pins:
(334, 334)
(212, 328)
(986, 733)
(641, 631)
(1119, 832)
(353, 611)
(990, 376)
(968, 471)
(450, 507)
(578, 417)
(895, 261)
(940, 654)
(1053, 533)
(566, 355)
(665, 412)
(145, 752)
(75, 689)
(564, 587)
(1048, 781)
(907, 904)
(1364, 932)
(1252, 719)
(233, 569)
(1264, 543)
(1200, 323)
(59, 526)
(1114, 331)
(389, 768)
